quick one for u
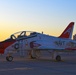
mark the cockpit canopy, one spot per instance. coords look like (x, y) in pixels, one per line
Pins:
(22, 34)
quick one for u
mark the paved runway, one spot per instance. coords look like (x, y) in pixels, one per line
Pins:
(43, 66)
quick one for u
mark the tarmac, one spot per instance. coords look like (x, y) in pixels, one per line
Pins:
(41, 66)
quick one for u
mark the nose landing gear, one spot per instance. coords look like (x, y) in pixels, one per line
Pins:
(9, 58)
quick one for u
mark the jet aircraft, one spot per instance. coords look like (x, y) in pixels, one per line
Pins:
(34, 42)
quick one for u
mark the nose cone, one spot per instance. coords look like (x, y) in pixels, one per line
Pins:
(5, 44)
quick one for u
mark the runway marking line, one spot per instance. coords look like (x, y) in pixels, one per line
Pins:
(23, 68)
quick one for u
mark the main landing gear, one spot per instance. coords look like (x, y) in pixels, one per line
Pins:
(34, 54)
(58, 58)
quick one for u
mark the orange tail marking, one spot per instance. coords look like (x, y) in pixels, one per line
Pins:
(67, 33)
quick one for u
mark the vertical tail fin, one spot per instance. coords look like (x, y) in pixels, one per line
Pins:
(67, 33)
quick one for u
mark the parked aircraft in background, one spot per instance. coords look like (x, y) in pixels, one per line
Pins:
(35, 42)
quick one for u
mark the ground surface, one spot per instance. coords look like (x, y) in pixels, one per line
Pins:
(43, 66)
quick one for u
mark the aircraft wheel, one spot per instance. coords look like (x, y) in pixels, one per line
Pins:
(32, 57)
(33, 54)
(38, 54)
(58, 58)
(9, 58)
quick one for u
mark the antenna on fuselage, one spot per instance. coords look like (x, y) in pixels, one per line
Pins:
(42, 32)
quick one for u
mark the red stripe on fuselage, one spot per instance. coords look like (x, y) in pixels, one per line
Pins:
(72, 49)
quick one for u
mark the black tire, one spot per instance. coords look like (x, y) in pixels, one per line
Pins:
(33, 57)
(58, 58)
(9, 58)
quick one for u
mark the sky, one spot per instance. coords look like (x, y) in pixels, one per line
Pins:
(49, 16)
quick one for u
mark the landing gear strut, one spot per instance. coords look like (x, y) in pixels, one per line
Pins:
(9, 58)
(35, 54)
